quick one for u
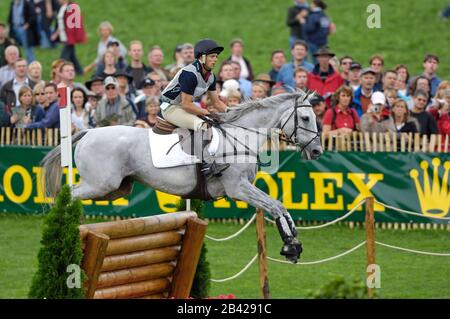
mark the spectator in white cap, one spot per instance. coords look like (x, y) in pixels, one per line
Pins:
(227, 87)
(114, 109)
(377, 119)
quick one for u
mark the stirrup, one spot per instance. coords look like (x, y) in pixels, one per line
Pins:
(214, 169)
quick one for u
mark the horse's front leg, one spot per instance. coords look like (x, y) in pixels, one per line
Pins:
(249, 193)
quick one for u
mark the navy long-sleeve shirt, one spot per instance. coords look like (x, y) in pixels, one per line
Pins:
(51, 118)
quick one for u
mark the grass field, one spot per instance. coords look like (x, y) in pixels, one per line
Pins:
(403, 275)
(408, 30)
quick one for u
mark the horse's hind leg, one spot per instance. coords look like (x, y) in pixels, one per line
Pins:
(84, 190)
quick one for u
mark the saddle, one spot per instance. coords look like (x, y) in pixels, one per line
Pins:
(163, 127)
(200, 191)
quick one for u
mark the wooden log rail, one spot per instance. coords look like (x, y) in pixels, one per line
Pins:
(150, 257)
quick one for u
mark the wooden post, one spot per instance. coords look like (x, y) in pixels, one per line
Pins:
(439, 143)
(94, 253)
(375, 146)
(56, 138)
(370, 236)
(424, 143)
(2, 135)
(39, 137)
(49, 134)
(432, 145)
(262, 254)
(410, 142)
(416, 142)
(367, 142)
(387, 138)
(355, 141)
(28, 137)
(33, 137)
(188, 259)
(445, 143)
(8, 135)
(330, 142)
(323, 139)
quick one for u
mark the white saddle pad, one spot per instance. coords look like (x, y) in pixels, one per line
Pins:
(160, 145)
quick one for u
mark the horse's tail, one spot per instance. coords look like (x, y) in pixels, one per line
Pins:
(52, 168)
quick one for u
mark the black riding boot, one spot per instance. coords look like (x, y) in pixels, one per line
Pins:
(292, 247)
(210, 167)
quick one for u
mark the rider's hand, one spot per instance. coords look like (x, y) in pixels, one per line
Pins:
(205, 112)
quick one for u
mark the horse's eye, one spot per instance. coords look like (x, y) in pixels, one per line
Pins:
(305, 118)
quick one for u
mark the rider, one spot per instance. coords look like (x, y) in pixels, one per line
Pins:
(191, 82)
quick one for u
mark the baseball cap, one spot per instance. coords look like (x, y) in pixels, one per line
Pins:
(378, 98)
(368, 70)
(355, 65)
(229, 85)
(113, 42)
(110, 80)
(147, 82)
(316, 99)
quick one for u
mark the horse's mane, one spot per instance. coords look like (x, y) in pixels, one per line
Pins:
(239, 110)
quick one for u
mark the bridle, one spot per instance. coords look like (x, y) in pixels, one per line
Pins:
(289, 140)
(294, 141)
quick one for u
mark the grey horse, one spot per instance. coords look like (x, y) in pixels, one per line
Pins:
(110, 159)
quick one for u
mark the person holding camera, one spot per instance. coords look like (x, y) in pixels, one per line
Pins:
(377, 119)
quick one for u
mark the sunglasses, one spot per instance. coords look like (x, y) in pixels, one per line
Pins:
(42, 93)
(108, 88)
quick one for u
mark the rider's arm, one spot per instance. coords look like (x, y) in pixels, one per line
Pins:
(216, 102)
(188, 83)
(188, 105)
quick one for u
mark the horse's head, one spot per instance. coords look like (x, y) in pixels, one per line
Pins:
(298, 122)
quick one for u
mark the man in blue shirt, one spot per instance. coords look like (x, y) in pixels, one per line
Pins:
(430, 65)
(299, 53)
(51, 118)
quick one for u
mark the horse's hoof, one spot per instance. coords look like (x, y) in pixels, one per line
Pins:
(292, 251)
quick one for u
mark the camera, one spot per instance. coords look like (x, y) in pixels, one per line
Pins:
(375, 108)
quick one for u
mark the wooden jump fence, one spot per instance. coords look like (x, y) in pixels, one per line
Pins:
(150, 257)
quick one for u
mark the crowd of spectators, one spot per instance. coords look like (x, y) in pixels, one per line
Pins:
(126, 80)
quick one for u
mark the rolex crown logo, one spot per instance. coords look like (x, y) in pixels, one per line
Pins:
(434, 195)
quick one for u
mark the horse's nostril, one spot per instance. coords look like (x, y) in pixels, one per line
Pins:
(316, 152)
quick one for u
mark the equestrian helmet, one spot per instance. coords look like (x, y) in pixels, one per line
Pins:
(206, 46)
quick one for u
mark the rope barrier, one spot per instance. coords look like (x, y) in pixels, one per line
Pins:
(409, 212)
(236, 234)
(329, 223)
(321, 260)
(413, 251)
(239, 273)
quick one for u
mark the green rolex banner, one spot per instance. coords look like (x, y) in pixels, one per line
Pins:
(319, 190)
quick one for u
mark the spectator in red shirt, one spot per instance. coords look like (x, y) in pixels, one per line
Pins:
(441, 113)
(323, 78)
(341, 119)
